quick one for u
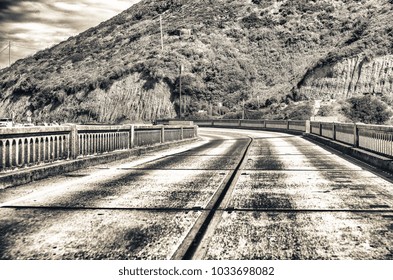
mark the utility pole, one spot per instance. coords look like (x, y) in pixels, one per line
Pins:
(162, 36)
(243, 111)
(9, 53)
(180, 101)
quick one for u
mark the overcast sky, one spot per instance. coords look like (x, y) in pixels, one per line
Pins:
(32, 25)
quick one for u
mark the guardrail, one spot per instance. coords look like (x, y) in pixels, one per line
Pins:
(295, 126)
(374, 138)
(29, 146)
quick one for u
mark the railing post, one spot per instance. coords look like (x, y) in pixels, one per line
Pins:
(308, 127)
(264, 124)
(22, 160)
(74, 147)
(182, 133)
(3, 154)
(27, 152)
(132, 136)
(287, 125)
(162, 134)
(320, 129)
(355, 135)
(17, 152)
(334, 131)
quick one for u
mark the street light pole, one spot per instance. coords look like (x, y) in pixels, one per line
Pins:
(180, 100)
(162, 37)
(243, 111)
(9, 53)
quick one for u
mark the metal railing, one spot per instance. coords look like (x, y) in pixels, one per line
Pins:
(298, 126)
(94, 140)
(344, 133)
(29, 146)
(146, 136)
(374, 138)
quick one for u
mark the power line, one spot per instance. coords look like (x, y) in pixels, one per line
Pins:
(4, 49)
(15, 45)
(25, 47)
(6, 45)
(12, 39)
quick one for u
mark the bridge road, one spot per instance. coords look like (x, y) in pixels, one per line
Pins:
(290, 199)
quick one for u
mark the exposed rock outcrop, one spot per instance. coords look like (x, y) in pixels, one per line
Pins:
(126, 99)
(354, 76)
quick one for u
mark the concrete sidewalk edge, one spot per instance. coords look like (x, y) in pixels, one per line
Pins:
(379, 161)
(29, 174)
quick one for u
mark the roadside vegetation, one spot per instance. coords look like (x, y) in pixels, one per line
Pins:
(367, 109)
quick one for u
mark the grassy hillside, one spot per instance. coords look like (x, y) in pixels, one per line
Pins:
(257, 51)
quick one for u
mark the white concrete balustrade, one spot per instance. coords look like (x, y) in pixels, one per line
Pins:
(28, 146)
(375, 138)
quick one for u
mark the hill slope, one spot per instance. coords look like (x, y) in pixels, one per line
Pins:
(230, 50)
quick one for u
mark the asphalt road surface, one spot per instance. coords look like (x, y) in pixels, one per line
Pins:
(234, 194)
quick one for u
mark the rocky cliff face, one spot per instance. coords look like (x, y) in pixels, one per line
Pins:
(353, 76)
(126, 99)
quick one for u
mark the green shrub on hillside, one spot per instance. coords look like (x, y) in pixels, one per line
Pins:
(326, 111)
(76, 57)
(367, 109)
(299, 112)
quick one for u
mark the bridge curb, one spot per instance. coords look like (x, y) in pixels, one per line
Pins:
(373, 159)
(31, 174)
(289, 131)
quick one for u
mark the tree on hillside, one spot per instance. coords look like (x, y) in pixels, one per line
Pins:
(302, 111)
(326, 111)
(367, 109)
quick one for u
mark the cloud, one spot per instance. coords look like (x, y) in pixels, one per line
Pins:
(37, 24)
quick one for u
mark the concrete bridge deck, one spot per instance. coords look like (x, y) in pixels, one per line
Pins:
(283, 198)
